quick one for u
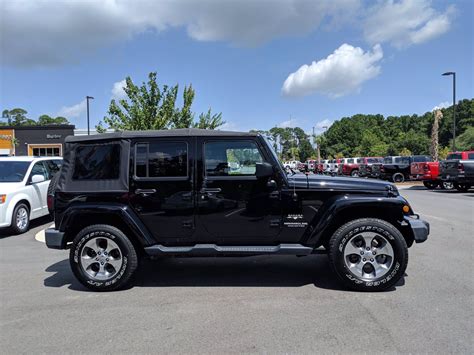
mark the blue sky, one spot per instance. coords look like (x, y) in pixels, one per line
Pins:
(244, 58)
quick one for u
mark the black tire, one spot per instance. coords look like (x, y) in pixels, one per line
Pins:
(462, 187)
(398, 177)
(430, 185)
(128, 254)
(392, 235)
(355, 173)
(20, 228)
(51, 188)
(447, 185)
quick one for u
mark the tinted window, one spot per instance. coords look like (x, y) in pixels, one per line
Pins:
(13, 171)
(374, 160)
(421, 158)
(97, 162)
(402, 160)
(161, 159)
(350, 161)
(231, 158)
(53, 166)
(454, 156)
(387, 160)
(470, 156)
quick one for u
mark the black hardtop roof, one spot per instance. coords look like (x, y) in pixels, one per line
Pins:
(181, 132)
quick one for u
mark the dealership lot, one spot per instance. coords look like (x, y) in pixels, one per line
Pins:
(256, 304)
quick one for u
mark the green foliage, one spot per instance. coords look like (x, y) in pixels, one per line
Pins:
(18, 117)
(150, 106)
(290, 143)
(466, 140)
(443, 153)
(405, 152)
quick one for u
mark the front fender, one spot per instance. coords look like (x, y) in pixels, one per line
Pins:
(357, 206)
(124, 212)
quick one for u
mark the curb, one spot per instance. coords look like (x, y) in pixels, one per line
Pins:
(40, 235)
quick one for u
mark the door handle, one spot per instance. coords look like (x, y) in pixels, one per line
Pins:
(145, 191)
(210, 190)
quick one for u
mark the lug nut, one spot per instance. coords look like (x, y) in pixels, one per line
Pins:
(107, 259)
(102, 263)
(374, 253)
(361, 253)
(364, 259)
(367, 248)
(372, 260)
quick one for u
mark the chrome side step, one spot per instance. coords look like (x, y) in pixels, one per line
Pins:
(213, 249)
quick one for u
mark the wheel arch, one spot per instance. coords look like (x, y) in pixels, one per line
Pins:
(347, 209)
(120, 216)
(19, 198)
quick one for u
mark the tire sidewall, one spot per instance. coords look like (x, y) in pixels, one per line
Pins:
(400, 176)
(15, 212)
(75, 253)
(396, 270)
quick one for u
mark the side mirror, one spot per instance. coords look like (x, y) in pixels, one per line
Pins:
(37, 178)
(263, 170)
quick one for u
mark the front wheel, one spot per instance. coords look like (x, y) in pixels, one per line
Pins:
(430, 185)
(368, 254)
(462, 187)
(20, 219)
(103, 258)
(355, 173)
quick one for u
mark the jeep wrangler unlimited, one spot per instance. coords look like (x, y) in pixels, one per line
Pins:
(123, 196)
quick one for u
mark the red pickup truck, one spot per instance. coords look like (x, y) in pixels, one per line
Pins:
(349, 166)
(428, 172)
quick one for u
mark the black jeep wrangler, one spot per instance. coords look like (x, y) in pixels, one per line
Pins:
(123, 196)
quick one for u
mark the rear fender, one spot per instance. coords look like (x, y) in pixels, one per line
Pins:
(75, 214)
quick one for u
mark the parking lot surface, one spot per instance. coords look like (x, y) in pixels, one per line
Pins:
(280, 304)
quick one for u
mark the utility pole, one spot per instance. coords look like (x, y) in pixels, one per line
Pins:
(88, 122)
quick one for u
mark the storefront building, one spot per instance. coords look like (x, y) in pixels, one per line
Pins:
(34, 140)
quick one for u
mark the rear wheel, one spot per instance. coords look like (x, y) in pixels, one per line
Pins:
(20, 219)
(447, 186)
(430, 185)
(355, 173)
(103, 258)
(398, 177)
(368, 254)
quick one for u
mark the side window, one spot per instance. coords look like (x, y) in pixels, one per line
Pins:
(470, 156)
(161, 159)
(53, 167)
(97, 162)
(231, 158)
(39, 169)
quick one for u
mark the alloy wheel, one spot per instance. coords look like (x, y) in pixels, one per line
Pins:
(21, 218)
(101, 258)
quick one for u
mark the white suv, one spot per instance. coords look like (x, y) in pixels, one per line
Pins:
(24, 185)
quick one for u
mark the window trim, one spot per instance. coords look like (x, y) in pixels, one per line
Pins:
(230, 177)
(158, 178)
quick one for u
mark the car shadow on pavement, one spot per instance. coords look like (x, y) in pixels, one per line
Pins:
(256, 271)
(5, 232)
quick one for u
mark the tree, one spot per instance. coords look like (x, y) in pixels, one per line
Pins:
(465, 141)
(47, 120)
(434, 135)
(17, 117)
(150, 106)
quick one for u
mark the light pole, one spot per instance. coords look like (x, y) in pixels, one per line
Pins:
(454, 106)
(88, 125)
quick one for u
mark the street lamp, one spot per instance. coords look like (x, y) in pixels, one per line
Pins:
(454, 106)
(88, 125)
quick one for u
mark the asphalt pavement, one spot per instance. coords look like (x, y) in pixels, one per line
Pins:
(280, 304)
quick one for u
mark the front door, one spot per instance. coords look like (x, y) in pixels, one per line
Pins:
(233, 206)
(39, 206)
(162, 188)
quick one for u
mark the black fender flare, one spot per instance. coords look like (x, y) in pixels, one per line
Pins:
(124, 212)
(328, 213)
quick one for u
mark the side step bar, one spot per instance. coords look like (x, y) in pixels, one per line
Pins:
(213, 249)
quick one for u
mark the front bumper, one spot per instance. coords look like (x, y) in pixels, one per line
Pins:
(55, 239)
(420, 229)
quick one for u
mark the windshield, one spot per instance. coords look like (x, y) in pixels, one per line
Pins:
(273, 153)
(13, 171)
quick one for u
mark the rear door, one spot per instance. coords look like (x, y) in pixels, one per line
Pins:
(161, 188)
(234, 207)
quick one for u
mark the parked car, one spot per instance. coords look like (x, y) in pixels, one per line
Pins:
(312, 165)
(333, 166)
(24, 184)
(428, 173)
(349, 166)
(399, 170)
(112, 197)
(365, 166)
(458, 169)
(326, 166)
(292, 164)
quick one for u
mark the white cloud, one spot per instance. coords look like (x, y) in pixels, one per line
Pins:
(406, 22)
(42, 33)
(117, 90)
(74, 110)
(341, 73)
(292, 122)
(441, 105)
(323, 125)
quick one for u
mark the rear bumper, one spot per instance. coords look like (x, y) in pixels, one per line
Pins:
(55, 239)
(419, 228)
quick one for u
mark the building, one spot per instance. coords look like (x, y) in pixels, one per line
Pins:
(34, 140)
